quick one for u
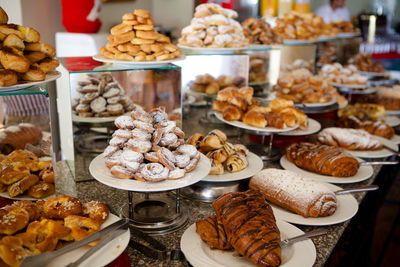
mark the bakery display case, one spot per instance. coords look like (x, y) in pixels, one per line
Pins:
(98, 93)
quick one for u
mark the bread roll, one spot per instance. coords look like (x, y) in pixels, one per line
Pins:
(295, 193)
(350, 139)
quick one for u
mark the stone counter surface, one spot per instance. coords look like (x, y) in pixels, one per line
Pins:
(93, 190)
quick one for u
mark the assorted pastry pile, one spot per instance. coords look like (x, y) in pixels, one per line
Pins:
(239, 105)
(302, 87)
(322, 159)
(364, 62)
(351, 139)
(213, 27)
(22, 172)
(23, 57)
(299, 64)
(344, 27)
(342, 75)
(209, 85)
(291, 191)
(327, 53)
(258, 67)
(32, 228)
(243, 222)
(149, 147)
(223, 155)
(258, 31)
(135, 39)
(100, 96)
(369, 117)
(301, 26)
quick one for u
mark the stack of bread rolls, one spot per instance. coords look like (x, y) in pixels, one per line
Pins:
(223, 155)
(213, 27)
(135, 39)
(239, 105)
(23, 57)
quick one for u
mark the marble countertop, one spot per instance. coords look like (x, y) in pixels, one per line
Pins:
(93, 190)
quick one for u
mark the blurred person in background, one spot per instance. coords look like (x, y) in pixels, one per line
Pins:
(334, 11)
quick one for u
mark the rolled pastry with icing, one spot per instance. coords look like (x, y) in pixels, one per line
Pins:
(291, 191)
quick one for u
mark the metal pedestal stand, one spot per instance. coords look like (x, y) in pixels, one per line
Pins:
(155, 216)
(270, 153)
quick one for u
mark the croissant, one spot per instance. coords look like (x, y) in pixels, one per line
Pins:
(236, 163)
(218, 155)
(255, 118)
(250, 226)
(211, 142)
(351, 139)
(232, 113)
(212, 232)
(322, 159)
(195, 140)
(220, 105)
(292, 192)
(216, 167)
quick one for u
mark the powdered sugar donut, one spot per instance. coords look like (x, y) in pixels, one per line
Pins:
(118, 141)
(98, 105)
(110, 150)
(121, 172)
(89, 97)
(175, 145)
(168, 139)
(154, 172)
(139, 145)
(123, 133)
(166, 158)
(159, 114)
(144, 126)
(190, 150)
(114, 159)
(111, 93)
(181, 160)
(157, 135)
(131, 165)
(113, 100)
(90, 88)
(178, 132)
(81, 108)
(167, 126)
(142, 115)
(141, 135)
(115, 109)
(124, 122)
(192, 164)
(131, 156)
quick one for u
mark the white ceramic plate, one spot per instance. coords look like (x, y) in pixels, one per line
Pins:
(364, 172)
(255, 165)
(373, 154)
(312, 127)
(138, 64)
(395, 139)
(50, 76)
(351, 86)
(358, 91)
(22, 197)
(206, 51)
(392, 112)
(392, 121)
(103, 256)
(199, 254)
(101, 173)
(93, 119)
(243, 125)
(347, 207)
(348, 34)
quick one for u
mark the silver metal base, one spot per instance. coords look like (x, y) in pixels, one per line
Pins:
(156, 216)
(209, 191)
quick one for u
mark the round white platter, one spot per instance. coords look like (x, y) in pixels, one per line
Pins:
(209, 51)
(50, 76)
(255, 165)
(380, 153)
(138, 64)
(101, 173)
(392, 121)
(199, 254)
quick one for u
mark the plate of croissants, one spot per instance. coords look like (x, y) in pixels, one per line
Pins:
(324, 163)
(221, 239)
(51, 224)
(298, 200)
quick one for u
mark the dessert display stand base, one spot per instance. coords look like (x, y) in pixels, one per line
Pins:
(155, 216)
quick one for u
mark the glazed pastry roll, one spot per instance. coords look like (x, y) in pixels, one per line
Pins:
(236, 163)
(295, 193)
